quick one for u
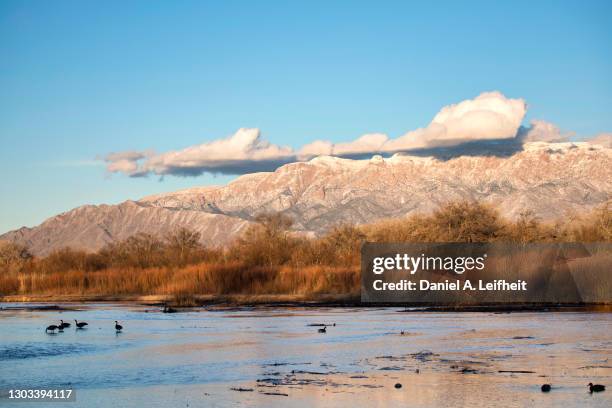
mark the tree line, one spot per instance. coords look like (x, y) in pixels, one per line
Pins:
(270, 257)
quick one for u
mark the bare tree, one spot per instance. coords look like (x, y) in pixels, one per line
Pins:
(13, 256)
(268, 242)
(142, 250)
(183, 242)
(466, 222)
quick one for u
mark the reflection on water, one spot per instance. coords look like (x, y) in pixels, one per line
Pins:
(264, 357)
(15, 351)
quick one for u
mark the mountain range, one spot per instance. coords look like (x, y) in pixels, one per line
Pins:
(551, 179)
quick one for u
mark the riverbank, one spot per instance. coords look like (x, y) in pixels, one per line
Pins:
(280, 301)
(192, 300)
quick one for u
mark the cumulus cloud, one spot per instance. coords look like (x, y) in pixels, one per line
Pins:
(317, 148)
(366, 144)
(542, 131)
(489, 116)
(125, 162)
(244, 151)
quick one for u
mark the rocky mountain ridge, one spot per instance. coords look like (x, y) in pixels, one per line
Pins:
(550, 179)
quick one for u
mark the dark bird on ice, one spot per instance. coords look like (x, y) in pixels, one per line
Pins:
(323, 330)
(118, 327)
(80, 325)
(596, 387)
(63, 325)
(545, 388)
(51, 328)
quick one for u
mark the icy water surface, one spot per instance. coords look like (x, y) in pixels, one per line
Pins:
(274, 357)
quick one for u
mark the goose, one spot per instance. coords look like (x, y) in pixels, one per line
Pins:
(323, 330)
(545, 388)
(168, 309)
(596, 387)
(63, 325)
(53, 328)
(80, 325)
(118, 327)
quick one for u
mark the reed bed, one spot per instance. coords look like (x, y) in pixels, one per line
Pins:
(269, 258)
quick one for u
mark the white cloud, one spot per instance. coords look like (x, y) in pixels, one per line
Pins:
(125, 162)
(244, 146)
(489, 116)
(368, 143)
(317, 148)
(542, 131)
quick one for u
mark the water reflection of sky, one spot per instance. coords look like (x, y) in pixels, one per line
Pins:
(459, 356)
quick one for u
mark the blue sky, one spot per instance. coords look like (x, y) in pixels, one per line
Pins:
(81, 79)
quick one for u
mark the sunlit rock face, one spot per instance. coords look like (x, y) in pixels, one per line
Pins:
(551, 179)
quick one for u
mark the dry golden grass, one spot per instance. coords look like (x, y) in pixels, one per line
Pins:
(268, 259)
(225, 279)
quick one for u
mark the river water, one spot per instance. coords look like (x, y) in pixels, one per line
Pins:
(274, 357)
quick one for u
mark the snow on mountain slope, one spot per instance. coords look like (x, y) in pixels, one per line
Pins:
(551, 179)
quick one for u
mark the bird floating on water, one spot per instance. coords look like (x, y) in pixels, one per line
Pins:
(168, 309)
(118, 327)
(80, 325)
(323, 330)
(52, 328)
(596, 387)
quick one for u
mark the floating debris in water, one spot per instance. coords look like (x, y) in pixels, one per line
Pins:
(282, 364)
(275, 393)
(424, 355)
(313, 372)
